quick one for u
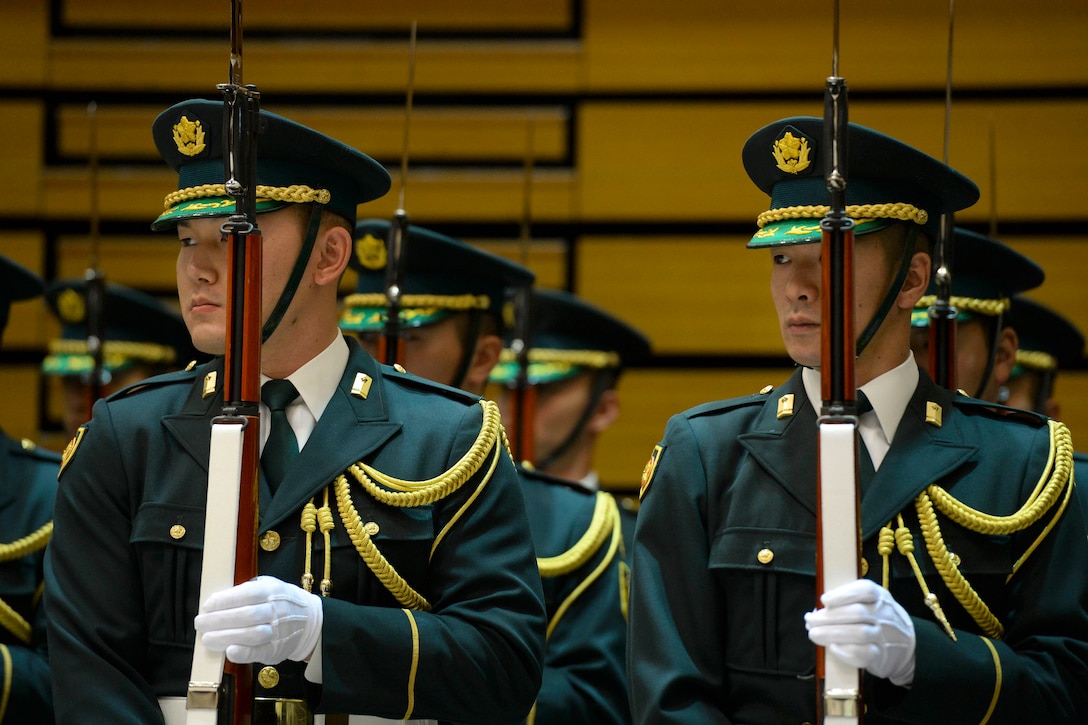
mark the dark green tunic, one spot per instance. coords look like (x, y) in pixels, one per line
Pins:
(716, 629)
(584, 676)
(28, 485)
(122, 586)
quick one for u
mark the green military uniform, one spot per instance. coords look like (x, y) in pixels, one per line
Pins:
(725, 554)
(577, 539)
(28, 484)
(576, 533)
(402, 499)
(571, 337)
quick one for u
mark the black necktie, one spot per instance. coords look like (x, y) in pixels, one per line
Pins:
(866, 470)
(281, 448)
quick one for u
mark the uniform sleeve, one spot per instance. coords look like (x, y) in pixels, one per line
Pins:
(476, 655)
(97, 633)
(584, 676)
(1037, 671)
(674, 658)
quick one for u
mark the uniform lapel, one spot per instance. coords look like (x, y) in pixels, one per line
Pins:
(350, 429)
(922, 453)
(191, 427)
(785, 447)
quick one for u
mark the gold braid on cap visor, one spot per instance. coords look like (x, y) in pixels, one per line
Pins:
(580, 358)
(295, 194)
(444, 302)
(989, 307)
(901, 211)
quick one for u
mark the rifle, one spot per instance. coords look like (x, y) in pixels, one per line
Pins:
(942, 314)
(223, 691)
(95, 290)
(524, 398)
(391, 346)
(839, 697)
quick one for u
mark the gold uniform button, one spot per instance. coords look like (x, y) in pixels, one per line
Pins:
(864, 566)
(177, 531)
(268, 677)
(765, 556)
(371, 528)
(270, 541)
(399, 368)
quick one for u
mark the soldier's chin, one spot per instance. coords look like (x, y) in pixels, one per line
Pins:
(210, 344)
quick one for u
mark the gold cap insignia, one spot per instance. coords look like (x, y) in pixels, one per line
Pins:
(189, 136)
(71, 307)
(791, 153)
(370, 251)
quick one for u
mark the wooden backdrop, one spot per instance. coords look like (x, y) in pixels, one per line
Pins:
(633, 113)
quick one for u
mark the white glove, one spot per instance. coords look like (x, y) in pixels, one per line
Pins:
(263, 620)
(865, 627)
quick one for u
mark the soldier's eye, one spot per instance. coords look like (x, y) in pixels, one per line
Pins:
(779, 259)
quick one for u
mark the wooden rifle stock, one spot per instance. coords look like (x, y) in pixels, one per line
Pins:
(837, 546)
(523, 411)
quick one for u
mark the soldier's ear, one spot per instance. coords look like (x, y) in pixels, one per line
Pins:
(332, 252)
(1005, 356)
(916, 281)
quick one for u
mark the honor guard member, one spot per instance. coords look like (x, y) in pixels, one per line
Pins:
(962, 506)
(451, 320)
(28, 485)
(577, 352)
(143, 337)
(399, 501)
(1048, 343)
(985, 276)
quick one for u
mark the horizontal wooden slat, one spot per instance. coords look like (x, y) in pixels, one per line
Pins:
(683, 160)
(450, 194)
(687, 294)
(752, 46)
(24, 44)
(435, 133)
(318, 66)
(337, 15)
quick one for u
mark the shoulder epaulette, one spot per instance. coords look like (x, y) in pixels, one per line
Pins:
(974, 406)
(158, 381)
(526, 471)
(399, 374)
(721, 406)
(31, 449)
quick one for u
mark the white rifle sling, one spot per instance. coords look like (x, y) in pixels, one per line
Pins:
(217, 571)
(839, 544)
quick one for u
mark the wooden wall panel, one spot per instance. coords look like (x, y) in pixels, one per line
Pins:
(436, 133)
(20, 182)
(24, 43)
(687, 294)
(683, 159)
(19, 402)
(339, 15)
(748, 45)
